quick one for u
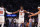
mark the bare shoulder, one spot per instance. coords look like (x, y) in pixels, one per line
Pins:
(25, 11)
(3, 7)
(38, 11)
(17, 10)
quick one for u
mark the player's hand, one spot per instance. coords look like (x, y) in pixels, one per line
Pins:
(32, 13)
(29, 16)
(13, 12)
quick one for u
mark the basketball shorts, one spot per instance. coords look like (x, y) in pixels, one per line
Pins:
(21, 20)
(2, 19)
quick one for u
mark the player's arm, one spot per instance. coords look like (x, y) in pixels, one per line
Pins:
(16, 12)
(28, 12)
(35, 13)
(7, 11)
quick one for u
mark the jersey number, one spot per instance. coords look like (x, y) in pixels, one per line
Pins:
(21, 13)
(1, 12)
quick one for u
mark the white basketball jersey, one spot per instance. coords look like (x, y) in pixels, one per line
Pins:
(38, 17)
(21, 14)
(1, 11)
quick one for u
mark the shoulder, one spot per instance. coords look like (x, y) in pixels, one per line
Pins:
(38, 11)
(18, 10)
(25, 11)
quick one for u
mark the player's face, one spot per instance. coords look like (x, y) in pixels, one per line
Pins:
(1, 6)
(21, 8)
(38, 8)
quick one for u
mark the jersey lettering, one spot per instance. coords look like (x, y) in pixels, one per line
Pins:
(1, 12)
(21, 13)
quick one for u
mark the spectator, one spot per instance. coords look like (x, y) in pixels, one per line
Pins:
(17, 22)
(27, 25)
(10, 20)
(7, 22)
(14, 20)
(30, 22)
(33, 22)
(12, 24)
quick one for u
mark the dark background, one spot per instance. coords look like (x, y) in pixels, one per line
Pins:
(14, 5)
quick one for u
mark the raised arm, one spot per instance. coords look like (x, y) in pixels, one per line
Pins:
(7, 11)
(16, 12)
(35, 14)
(28, 12)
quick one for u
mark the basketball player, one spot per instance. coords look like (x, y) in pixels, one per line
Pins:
(2, 18)
(38, 13)
(21, 15)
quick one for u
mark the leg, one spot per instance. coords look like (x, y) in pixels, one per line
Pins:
(19, 25)
(38, 24)
(9, 24)
(2, 25)
(22, 24)
(30, 24)
(22, 21)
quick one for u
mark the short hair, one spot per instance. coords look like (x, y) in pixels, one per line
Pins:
(21, 6)
(39, 6)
